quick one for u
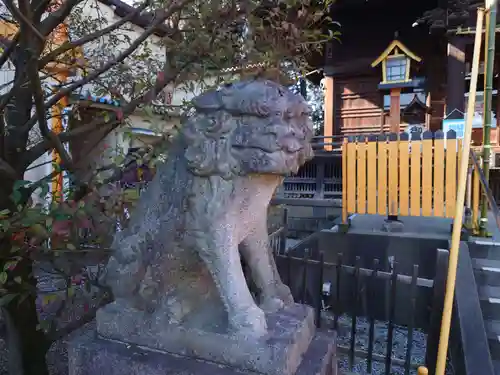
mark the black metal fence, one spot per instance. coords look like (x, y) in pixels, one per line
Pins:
(341, 294)
(345, 298)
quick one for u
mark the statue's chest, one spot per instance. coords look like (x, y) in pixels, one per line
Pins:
(249, 207)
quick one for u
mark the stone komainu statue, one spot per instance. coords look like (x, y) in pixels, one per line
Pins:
(179, 258)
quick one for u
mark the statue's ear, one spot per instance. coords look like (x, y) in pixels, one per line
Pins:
(208, 101)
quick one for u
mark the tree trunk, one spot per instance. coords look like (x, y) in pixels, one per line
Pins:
(22, 329)
(21, 313)
(27, 344)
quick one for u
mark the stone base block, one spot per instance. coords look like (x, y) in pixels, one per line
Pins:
(290, 331)
(89, 354)
(393, 226)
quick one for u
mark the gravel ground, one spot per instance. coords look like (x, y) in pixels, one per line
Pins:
(400, 341)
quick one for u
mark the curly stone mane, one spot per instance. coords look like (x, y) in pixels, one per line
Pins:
(241, 129)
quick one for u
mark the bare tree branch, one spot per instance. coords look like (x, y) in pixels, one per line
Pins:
(168, 75)
(42, 120)
(10, 48)
(161, 17)
(91, 37)
(57, 17)
(22, 19)
(115, 120)
(7, 170)
(40, 8)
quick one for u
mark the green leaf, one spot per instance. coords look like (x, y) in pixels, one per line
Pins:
(10, 265)
(20, 183)
(18, 279)
(4, 225)
(44, 190)
(16, 197)
(40, 231)
(7, 298)
(44, 325)
(5, 212)
(56, 167)
(14, 249)
(3, 277)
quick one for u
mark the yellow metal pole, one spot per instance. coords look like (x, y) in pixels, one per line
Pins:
(457, 223)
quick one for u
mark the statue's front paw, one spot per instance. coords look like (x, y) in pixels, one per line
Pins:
(283, 293)
(276, 297)
(271, 304)
(249, 322)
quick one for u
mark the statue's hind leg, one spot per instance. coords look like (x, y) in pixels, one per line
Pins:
(256, 251)
(219, 251)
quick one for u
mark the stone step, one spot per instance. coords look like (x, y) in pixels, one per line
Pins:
(492, 328)
(489, 298)
(487, 291)
(486, 271)
(491, 308)
(496, 367)
(484, 248)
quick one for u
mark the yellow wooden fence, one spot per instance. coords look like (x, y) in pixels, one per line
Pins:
(389, 174)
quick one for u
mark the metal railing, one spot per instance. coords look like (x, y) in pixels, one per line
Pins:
(339, 291)
(474, 192)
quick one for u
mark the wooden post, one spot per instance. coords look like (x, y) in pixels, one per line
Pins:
(395, 110)
(60, 37)
(427, 114)
(329, 124)
(498, 106)
(455, 86)
(490, 21)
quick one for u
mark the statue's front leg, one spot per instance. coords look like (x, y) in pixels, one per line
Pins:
(257, 252)
(219, 251)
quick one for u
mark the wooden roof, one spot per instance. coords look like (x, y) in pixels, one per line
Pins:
(395, 44)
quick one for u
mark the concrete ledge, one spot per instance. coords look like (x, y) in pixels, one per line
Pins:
(89, 354)
(279, 353)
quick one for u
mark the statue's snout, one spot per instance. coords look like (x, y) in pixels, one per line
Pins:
(292, 142)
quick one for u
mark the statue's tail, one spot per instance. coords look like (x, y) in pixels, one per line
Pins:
(124, 270)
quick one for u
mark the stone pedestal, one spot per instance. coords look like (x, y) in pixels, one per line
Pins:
(291, 348)
(393, 226)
